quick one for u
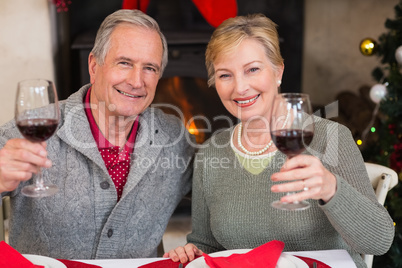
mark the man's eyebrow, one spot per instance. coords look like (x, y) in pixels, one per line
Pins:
(124, 58)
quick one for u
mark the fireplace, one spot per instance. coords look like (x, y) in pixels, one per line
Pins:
(184, 83)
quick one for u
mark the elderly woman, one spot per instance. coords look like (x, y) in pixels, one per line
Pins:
(237, 172)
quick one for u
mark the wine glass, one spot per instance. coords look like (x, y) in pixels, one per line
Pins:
(292, 130)
(37, 117)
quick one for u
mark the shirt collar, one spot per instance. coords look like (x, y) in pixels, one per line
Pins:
(100, 140)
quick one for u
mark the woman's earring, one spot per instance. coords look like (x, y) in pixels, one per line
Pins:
(279, 82)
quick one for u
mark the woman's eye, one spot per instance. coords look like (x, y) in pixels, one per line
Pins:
(223, 76)
(124, 63)
(252, 70)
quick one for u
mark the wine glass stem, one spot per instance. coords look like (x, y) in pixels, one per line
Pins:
(39, 180)
(290, 193)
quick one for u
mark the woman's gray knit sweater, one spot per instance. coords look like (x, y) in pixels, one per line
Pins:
(231, 207)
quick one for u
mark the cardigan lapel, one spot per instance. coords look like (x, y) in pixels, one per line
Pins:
(76, 131)
(150, 140)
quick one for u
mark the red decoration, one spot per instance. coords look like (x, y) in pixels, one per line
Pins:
(216, 11)
(61, 5)
(396, 158)
(136, 4)
(391, 128)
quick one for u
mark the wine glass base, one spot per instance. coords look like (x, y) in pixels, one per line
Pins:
(300, 205)
(35, 191)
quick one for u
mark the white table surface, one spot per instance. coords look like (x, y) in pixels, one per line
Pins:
(333, 258)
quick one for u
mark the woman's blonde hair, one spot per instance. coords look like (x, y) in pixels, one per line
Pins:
(233, 31)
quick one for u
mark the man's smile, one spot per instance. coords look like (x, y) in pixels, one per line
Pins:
(128, 95)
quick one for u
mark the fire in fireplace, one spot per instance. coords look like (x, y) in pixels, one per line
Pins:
(196, 104)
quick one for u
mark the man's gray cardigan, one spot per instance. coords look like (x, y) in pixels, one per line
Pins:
(83, 220)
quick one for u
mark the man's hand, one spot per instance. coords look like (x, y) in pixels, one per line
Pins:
(19, 159)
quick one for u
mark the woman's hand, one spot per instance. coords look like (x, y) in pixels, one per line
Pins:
(183, 254)
(307, 176)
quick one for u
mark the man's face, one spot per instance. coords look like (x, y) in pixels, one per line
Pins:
(125, 84)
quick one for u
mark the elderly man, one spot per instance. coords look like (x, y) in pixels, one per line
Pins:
(121, 167)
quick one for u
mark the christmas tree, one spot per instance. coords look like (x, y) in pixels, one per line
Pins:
(386, 149)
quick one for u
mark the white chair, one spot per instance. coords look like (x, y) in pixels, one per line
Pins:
(383, 179)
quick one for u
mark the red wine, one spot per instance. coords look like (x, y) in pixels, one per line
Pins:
(291, 142)
(37, 130)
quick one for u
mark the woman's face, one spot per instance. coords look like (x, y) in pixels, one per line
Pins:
(246, 81)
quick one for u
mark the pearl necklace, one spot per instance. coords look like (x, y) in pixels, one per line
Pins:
(263, 149)
(247, 151)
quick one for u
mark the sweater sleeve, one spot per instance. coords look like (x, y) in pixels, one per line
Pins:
(9, 131)
(201, 234)
(363, 223)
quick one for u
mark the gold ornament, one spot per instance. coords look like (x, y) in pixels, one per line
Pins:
(368, 47)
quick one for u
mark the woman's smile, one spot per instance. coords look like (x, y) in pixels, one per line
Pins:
(246, 102)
